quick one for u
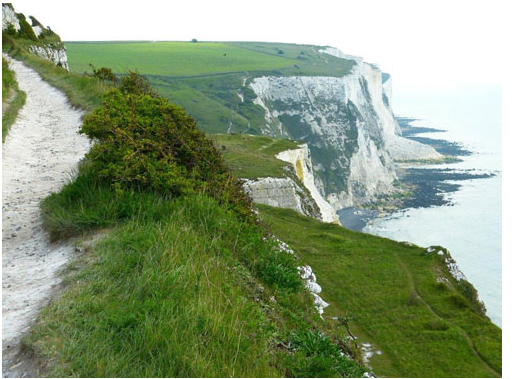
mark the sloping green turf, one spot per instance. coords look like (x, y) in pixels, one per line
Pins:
(423, 328)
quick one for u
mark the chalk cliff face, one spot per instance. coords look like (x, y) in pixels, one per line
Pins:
(301, 161)
(347, 123)
(297, 191)
(9, 17)
(52, 51)
(282, 193)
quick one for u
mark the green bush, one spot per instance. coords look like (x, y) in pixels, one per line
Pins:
(104, 74)
(10, 30)
(148, 143)
(26, 30)
(471, 294)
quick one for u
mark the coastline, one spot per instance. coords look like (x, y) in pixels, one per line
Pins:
(424, 185)
(450, 206)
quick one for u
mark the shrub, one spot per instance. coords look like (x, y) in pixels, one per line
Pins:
(146, 142)
(104, 74)
(471, 294)
(26, 30)
(459, 301)
(10, 30)
(136, 84)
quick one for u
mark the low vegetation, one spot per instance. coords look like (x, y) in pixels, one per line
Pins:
(401, 299)
(185, 283)
(252, 157)
(13, 98)
(82, 91)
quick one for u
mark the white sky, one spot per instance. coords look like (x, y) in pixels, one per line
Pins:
(429, 43)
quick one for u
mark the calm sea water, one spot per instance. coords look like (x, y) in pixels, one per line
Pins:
(471, 228)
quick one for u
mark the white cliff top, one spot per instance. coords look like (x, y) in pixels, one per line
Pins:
(9, 17)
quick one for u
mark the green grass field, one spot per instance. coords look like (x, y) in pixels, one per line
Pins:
(252, 157)
(177, 59)
(424, 328)
(171, 58)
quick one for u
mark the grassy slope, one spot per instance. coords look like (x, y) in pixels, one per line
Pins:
(178, 287)
(351, 285)
(376, 281)
(253, 157)
(13, 98)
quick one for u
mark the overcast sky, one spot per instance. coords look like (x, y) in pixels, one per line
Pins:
(421, 44)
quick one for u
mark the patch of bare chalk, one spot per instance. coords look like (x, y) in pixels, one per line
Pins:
(39, 154)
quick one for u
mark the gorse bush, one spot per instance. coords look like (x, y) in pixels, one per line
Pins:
(148, 143)
(104, 74)
(26, 30)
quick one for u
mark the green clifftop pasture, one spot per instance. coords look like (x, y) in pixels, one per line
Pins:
(207, 78)
(402, 300)
(181, 283)
(175, 59)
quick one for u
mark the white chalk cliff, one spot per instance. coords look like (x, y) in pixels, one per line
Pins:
(9, 17)
(297, 191)
(347, 123)
(301, 161)
(52, 51)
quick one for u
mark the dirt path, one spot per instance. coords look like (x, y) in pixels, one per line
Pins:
(39, 153)
(427, 305)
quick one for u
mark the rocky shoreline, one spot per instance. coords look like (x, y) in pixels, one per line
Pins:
(420, 184)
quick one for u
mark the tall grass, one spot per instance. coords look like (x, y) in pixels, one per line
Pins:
(179, 287)
(13, 98)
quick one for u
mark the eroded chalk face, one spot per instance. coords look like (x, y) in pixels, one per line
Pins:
(348, 125)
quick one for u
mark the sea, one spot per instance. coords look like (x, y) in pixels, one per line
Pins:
(469, 223)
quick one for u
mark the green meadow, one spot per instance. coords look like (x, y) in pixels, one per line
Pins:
(390, 290)
(171, 58)
(208, 79)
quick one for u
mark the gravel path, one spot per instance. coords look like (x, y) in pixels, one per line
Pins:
(39, 153)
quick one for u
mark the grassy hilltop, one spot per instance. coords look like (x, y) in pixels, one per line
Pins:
(206, 78)
(179, 284)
